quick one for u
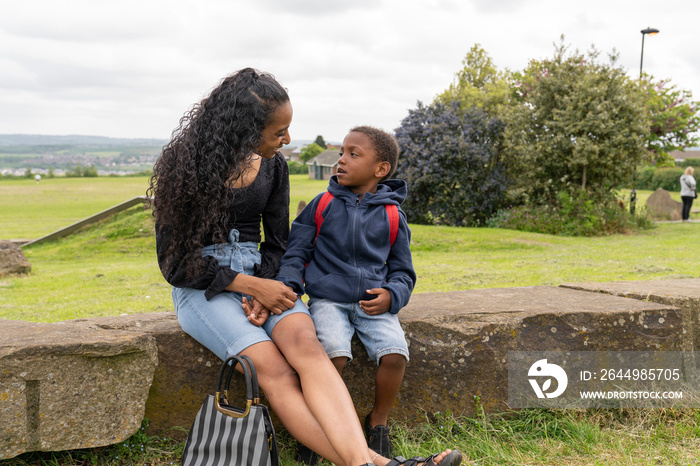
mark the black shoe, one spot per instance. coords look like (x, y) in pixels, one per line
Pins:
(307, 457)
(378, 439)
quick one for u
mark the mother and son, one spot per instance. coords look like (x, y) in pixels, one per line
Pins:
(217, 179)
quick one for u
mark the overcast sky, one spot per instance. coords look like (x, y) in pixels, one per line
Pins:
(131, 68)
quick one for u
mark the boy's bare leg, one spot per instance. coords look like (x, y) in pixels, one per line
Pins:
(387, 383)
(340, 363)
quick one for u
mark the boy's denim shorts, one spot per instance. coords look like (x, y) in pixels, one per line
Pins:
(220, 323)
(337, 322)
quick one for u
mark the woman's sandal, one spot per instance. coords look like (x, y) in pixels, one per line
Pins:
(452, 459)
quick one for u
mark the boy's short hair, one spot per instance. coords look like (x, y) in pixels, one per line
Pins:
(385, 146)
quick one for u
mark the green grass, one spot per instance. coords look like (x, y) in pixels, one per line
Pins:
(110, 269)
(529, 437)
(69, 276)
(31, 210)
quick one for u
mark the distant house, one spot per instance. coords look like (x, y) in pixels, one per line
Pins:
(681, 155)
(324, 165)
(291, 154)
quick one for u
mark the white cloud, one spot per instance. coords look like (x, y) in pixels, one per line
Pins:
(132, 68)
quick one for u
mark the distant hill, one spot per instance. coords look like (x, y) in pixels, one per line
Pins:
(74, 140)
(42, 153)
(80, 140)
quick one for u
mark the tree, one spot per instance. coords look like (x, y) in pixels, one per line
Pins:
(320, 142)
(576, 125)
(478, 84)
(448, 159)
(674, 119)
(90, 172)
(310, 151)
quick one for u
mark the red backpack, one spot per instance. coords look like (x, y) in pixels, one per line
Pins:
(391, 210)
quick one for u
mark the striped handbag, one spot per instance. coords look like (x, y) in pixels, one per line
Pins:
(223, 434)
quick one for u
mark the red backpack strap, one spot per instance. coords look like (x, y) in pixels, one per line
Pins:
(322, 204)
(393, 212)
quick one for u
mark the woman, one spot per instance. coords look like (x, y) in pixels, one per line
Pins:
(687, 192)
(217, 178)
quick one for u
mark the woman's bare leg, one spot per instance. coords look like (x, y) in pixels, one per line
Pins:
(323, 388)
(284, 392)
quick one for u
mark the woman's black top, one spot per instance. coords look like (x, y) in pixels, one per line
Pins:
(266, 199)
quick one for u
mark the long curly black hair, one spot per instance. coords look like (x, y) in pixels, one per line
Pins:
(190, 190)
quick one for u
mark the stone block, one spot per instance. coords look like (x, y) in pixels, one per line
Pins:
(185, 375)
(661, 206)
(459, 342)
(681, 293)
(67, 386)
(12, 259)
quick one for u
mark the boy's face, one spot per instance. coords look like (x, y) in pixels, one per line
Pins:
(359, 168)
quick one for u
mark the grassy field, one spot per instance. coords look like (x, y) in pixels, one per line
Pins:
(31, 210)
(69, 277)
(110, 269)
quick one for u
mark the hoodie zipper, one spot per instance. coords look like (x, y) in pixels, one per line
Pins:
(354, 244)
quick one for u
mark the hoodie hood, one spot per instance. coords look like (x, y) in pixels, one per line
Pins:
(388, 192)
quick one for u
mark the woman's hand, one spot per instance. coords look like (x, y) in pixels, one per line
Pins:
(256, 313)
(275, 296)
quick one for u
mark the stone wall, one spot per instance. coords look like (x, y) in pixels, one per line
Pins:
(89, 382)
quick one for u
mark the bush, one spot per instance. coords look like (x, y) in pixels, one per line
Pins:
(689, 163)
(296, 168)
(643, 177)
(81, 171)
(449, 160)
(577, 215)
(652, 178)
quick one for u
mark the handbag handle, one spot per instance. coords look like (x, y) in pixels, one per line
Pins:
(253, 379)
(226, 372)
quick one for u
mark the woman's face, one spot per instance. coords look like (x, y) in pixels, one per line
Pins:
(276, 134)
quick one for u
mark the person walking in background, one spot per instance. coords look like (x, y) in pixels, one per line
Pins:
(688, 193)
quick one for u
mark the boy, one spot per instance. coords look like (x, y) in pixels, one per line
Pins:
(356, 275)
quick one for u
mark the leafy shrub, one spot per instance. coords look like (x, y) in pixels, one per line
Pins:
(577, 215)
(643, 177)
(667, 178)
(652, 178)
(448, 157)
(89, 172)
(695, 163)
(297, 168)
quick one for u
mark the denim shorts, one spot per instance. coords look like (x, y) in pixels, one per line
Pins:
(337, 322)
(220, 323)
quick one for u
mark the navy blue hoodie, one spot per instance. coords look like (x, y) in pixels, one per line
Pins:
(352, 253)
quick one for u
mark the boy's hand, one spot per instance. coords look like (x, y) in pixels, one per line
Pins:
(378, 305)
(256, 312)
